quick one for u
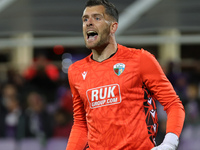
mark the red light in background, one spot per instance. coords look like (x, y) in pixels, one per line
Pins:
(58, 49)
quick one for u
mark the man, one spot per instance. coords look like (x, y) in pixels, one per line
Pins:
(114, 91)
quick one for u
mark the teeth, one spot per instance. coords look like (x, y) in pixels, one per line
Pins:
(91, 32)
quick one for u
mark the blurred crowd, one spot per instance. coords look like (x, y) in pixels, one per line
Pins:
(187, 85)
(37, 103)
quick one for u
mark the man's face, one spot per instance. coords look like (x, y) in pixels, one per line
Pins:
(96, 27)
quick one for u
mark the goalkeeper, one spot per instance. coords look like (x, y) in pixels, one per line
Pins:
(115, 90)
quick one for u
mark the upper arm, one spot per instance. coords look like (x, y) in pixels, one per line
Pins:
(78, 106)
(156, 81)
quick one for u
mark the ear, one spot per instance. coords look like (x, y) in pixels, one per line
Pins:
(113, 27)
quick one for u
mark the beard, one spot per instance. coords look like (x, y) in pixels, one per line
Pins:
(101, 42)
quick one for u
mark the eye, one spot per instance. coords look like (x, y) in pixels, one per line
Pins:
(97, 18)
(85, 19)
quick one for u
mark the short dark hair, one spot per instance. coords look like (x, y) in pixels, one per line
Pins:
(111, 10)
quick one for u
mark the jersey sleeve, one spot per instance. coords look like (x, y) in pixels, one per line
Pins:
(78, 136)
(156, 81)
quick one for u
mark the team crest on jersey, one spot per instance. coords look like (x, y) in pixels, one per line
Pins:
(119, 68)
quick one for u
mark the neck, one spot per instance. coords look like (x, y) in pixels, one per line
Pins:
(105, 52)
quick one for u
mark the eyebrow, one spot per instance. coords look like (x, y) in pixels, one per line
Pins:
(86, 16)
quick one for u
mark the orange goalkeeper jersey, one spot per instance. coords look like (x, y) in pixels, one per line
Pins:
(114, 102)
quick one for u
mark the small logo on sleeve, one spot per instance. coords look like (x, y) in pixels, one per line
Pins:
(104, 96)
(119, 68)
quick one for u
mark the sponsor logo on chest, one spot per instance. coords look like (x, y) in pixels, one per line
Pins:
(104, 96)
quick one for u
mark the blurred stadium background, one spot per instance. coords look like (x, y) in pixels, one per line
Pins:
(39, 39)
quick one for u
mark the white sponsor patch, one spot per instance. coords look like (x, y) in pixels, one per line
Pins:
(104, 96)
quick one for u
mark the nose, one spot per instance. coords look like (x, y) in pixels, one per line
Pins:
(89, 22)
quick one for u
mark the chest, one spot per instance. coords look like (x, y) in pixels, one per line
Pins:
(108, 83)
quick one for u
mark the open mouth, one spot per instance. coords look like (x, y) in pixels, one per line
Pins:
(92, 35)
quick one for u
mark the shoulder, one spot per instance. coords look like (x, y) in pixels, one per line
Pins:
(132, 52)
(77, 68)
(78, 65)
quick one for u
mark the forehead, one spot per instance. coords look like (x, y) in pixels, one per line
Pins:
(99, 9)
